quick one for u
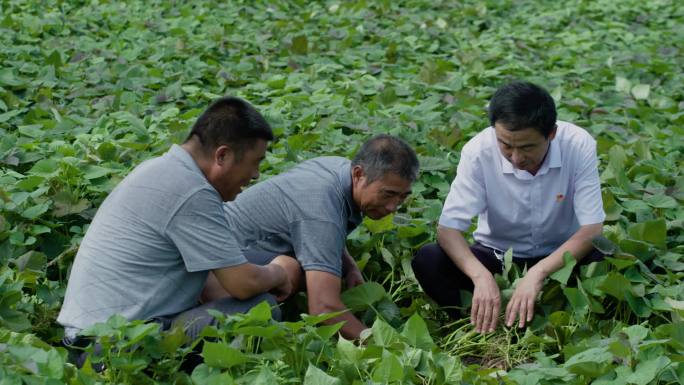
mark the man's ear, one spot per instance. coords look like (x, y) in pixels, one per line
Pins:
(357, 175)
(553, 132)
(224, 155)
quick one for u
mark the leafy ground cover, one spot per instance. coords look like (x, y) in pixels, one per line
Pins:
(90, 89)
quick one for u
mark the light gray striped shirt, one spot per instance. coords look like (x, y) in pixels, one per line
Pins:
(307, 211)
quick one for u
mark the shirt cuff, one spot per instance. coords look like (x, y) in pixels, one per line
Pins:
(213, 265)
(452, 223)
(591, 219)
(322, 267)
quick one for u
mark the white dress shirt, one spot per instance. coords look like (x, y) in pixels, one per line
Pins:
(533, 214)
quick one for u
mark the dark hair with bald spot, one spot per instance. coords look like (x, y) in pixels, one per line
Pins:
(230, 121)
(385, 154)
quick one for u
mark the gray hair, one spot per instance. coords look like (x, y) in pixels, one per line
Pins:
(385, 154)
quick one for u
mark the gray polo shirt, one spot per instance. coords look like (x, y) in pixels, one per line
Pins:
(150, 246)
(308, 211)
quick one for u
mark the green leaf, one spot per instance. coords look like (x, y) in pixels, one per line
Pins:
(389, 369)
(362, 296)
(203, 374)
(44, 168)
(610, 206)
(136, 333)
(653, 232)
(94, 172)
(641, 91)
(107, 151)
(327, 331)
(381, 225)
(8, 77)
(621, 263)
(30, 183)
(67, 204)
(55, 59)
(260, 313)
(563, 274)
(317, 319)
(277, 82)
(577, 300)
(172, 340)
(383, 334)
(508, 261)
(315, 376)
(589, 362)
(387, 257)
(54, 365)
(617, 158)
(416, 332)
(646, 371)
(265, 377)
(32, 130)
(637, 304)
(636, 333)
(31, 260)
(221, 355)
(431, 72)
(615, 285)
(348, 351)
(300, 45)
(622, 84)
(35, 211)
(661, 201)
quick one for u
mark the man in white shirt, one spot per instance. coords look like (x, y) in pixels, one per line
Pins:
(533, 183)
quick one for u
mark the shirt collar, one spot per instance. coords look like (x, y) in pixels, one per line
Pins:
(181, 154)
(355, 216)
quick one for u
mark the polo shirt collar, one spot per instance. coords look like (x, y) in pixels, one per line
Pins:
(181, 154)
(355, 216)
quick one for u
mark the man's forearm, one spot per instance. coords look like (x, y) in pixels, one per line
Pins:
(267, 278)
(578, 245)
(323, 290)
(348, 262)
(458, 250)
(352, 327)
(247, 280)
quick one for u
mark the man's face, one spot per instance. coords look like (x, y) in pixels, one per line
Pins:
(380, 197)
(525, 149)
(232, 175)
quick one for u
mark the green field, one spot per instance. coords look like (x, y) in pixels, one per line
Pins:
(89, 89)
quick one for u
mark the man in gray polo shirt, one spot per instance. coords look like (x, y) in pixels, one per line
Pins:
(308, 211)
(147, 252)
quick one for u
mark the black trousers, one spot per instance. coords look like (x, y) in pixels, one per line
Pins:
(442, 281)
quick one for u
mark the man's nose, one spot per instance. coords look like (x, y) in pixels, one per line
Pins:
(393, 205)
(516, 156)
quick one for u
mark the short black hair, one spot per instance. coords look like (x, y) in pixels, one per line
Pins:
(520, 105)
(385, 154)
(233, 121)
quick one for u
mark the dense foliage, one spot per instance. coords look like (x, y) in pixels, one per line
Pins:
(89, 89)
